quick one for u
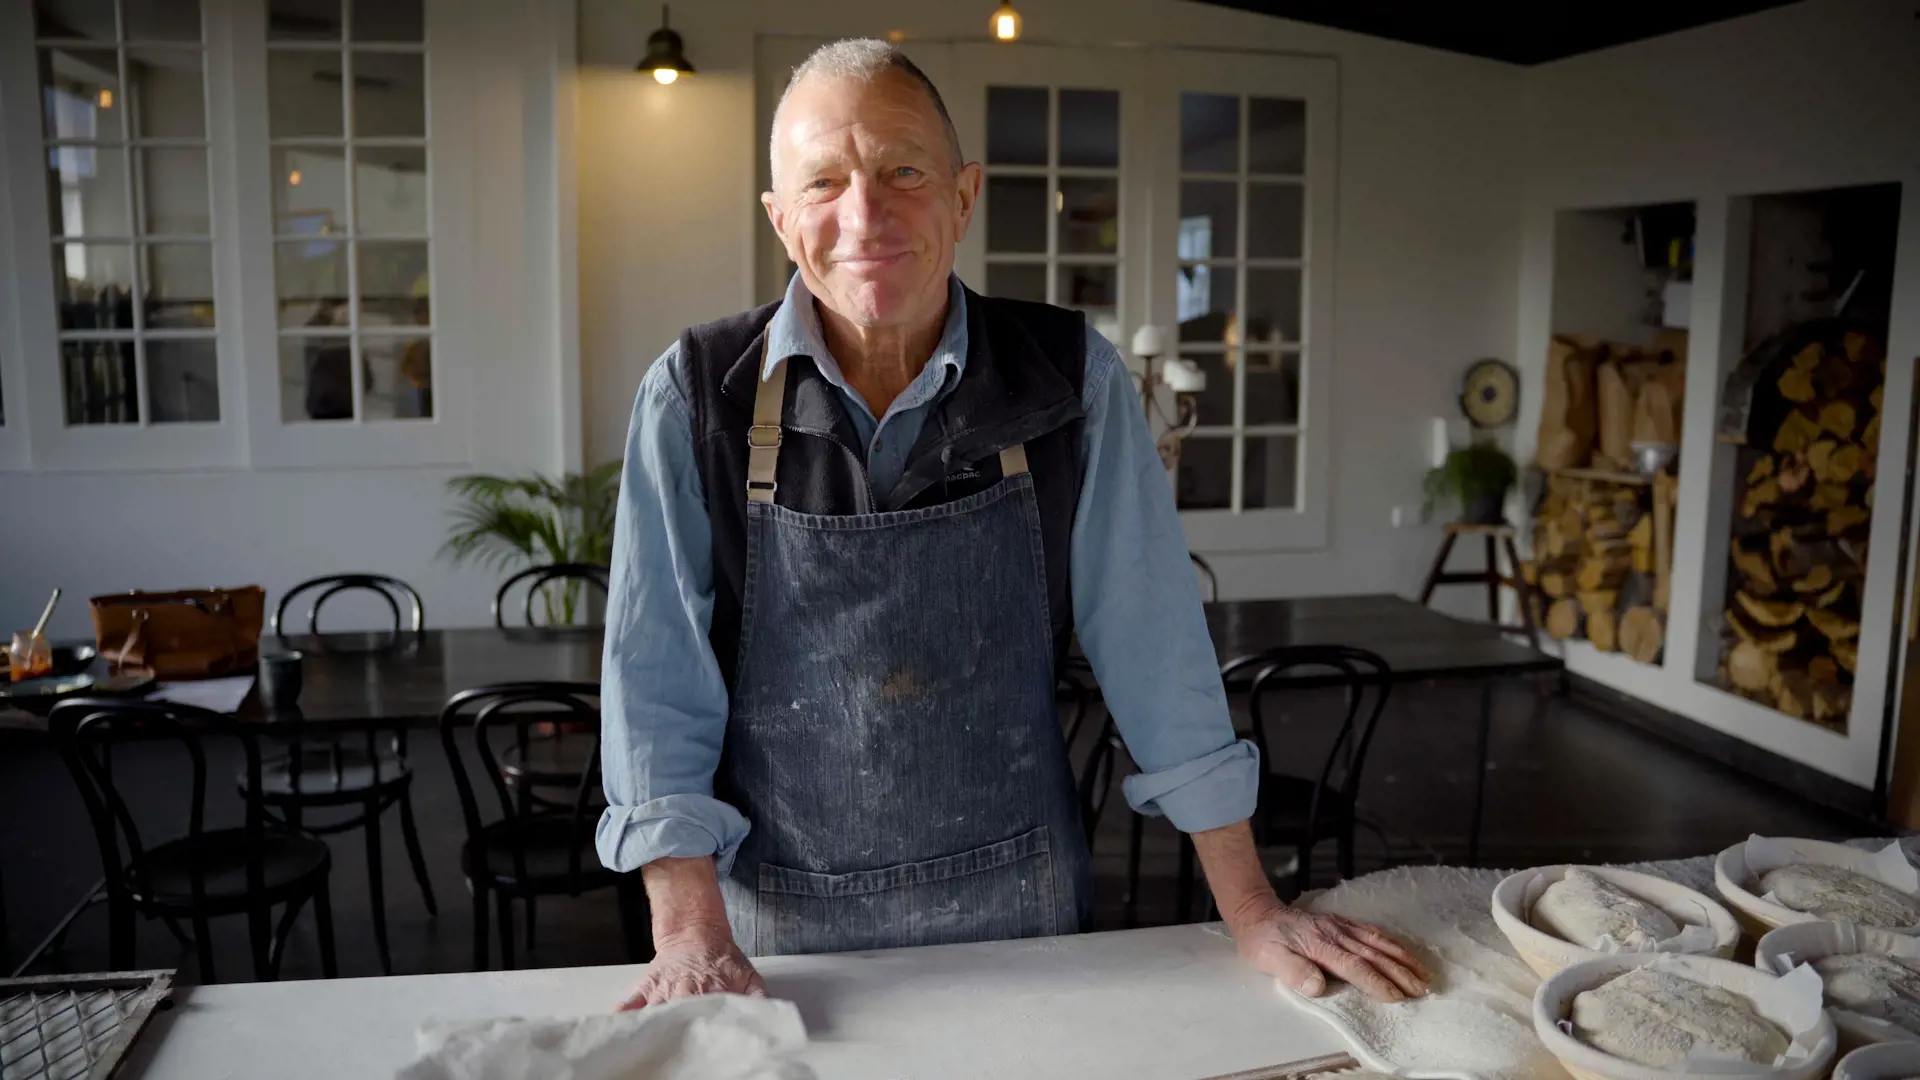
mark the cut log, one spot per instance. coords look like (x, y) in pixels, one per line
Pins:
(1842, 518)
(1808, 357)
(1837, 627)
(1762, 468)
(1794, 474)
(1878, 398)
(1832, 702)
(1818, 453)
(1755, 567)
(1831, 596)
(1760, 496)
(1602, 630)
(1846, 654)
(1530, 572)
(1557, 582)
(1870, 435)
(1796, 385)
(1603, 570)
(1597, 601)
(1823, 669)
(1751, 668)
(1774, 613)
(1563, 619)
(1816, 580)
(1856, 345)
(1845, 463)
(1615, 400)
(1642, 634)
(1793, 694)
(1780, 550)
(1828, 497)
(1796, 432)
(1839, 417)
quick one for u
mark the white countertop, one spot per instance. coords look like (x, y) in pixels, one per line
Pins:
(1171, 1003)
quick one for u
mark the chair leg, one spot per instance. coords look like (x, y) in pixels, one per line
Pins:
(633, 919)
(1493, 581)
(323, 922)
(1135, 840)
(481, 930)
(376, 886)
(1183, 909)
(120, 934)
(1343, 851)
(411, 833)
(203, 941)
(1439, 567)
(173, 927)
(504, 910)
(278, 954)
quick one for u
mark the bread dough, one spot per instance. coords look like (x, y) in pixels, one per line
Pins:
(1657, 1018)
(1834, 892)
(1871, 984)
(1584, 908)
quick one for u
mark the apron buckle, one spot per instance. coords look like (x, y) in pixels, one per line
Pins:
(755, 437)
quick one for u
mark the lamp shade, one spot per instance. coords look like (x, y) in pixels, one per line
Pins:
(666, 55)
(1147, 341)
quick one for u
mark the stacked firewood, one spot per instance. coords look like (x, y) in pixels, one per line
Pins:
(1602, 551)
(1799, 547)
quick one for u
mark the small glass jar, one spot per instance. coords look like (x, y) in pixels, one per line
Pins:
(29, 657)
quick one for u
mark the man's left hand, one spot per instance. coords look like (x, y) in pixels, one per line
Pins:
(1301, 948)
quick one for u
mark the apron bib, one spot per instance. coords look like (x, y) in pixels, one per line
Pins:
(893, 737)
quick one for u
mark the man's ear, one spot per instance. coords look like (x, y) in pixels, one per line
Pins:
(776, 215)
(966, 197)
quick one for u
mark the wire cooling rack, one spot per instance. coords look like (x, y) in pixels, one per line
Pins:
(74, 1027)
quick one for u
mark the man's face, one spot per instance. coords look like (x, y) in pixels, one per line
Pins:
(866, 197)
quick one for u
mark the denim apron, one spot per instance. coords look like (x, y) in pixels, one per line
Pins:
(893, 737)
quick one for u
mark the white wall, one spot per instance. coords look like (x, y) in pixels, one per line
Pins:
(1814, 95)
(98, 532)
(1427, 254)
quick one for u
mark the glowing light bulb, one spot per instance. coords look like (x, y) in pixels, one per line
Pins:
(1006, 22)
(665, 76)
(106, 98)
(293, 178)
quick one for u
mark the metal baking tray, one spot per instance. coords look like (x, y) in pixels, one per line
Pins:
(75, 1027)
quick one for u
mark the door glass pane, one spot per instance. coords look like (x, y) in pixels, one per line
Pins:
(303, 95)
(80, 94)
(1017, 210)
(1273, 304)
(1214, 405)
(391, 197)
(1089, 214)
(1094, 290)
(168, 100)
(1209, 218)
(316, 379)
(1204, 480)
(1271, 479)
(173, 195)
(1090, 129)
(1277, 136)
(1274, 225)
(399, 378)
(387, 20)
(1204, 296)
(310, 277)
(87, 191)
(1016, 125)
(99, 380)
(1209, 133)
(183, 381)
(89, 19)
(309, 189)
(393, 284)
(303, 20)
(389, 94)
(1017, 281)
(93, 285)
(178, 279)
(1273, 388)
(162, 20)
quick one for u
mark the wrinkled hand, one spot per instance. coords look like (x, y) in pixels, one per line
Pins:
(1301, 948)
(697, 965)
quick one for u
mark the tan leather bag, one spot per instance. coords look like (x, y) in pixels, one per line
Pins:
(191, 634)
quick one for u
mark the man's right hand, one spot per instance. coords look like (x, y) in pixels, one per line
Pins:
(700, 964)
(694, 952)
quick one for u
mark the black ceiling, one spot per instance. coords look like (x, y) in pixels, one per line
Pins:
(1521, 33)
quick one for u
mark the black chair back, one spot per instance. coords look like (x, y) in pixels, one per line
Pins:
(537, 578)
(1351, 669)
(1209, 582)
(395, 592)
(519, 708)
(86, 731)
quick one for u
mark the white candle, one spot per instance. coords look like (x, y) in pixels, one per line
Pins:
(1147, 341)
(1439, 445)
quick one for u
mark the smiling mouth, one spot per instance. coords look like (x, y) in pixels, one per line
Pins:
(875, 262)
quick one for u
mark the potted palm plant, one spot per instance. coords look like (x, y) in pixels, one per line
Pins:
(506, 522)
(1477, 477)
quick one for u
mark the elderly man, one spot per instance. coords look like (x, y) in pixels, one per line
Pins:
(856, 530)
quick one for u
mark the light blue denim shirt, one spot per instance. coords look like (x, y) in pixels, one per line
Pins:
(1136, 606)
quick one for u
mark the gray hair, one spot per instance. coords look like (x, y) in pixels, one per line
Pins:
(867, 59)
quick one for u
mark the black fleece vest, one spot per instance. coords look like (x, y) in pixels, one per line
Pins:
(1025, 367)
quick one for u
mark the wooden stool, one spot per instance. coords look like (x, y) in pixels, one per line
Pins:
(1491, 577)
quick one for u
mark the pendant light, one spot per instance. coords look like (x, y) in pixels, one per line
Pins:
(1005, 23)
(666, 57)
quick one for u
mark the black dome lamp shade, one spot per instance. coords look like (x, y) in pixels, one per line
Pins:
(666, 56)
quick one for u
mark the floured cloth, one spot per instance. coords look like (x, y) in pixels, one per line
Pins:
(714, 1037)
(1478, 1022)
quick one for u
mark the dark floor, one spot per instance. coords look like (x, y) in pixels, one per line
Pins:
(1566, 783)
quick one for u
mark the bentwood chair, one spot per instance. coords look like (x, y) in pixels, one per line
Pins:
(1209, 581)
(550, 584)
(553, 758)
(530, 849)
(367, 773)
(204, 873)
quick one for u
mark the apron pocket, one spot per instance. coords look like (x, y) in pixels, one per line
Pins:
(990, 893)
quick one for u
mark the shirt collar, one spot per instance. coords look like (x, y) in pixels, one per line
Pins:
(795, 331)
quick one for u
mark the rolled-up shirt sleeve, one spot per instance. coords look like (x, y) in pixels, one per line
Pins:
(662, 698)
(1136, 604)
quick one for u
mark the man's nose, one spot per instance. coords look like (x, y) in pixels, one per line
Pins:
(863, 206)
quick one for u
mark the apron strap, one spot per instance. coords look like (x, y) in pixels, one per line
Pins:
(763, 438)
(1013, 460)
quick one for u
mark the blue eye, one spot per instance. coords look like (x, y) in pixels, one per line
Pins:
(906, 170)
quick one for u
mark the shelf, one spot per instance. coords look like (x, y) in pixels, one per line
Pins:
(1605, 476)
